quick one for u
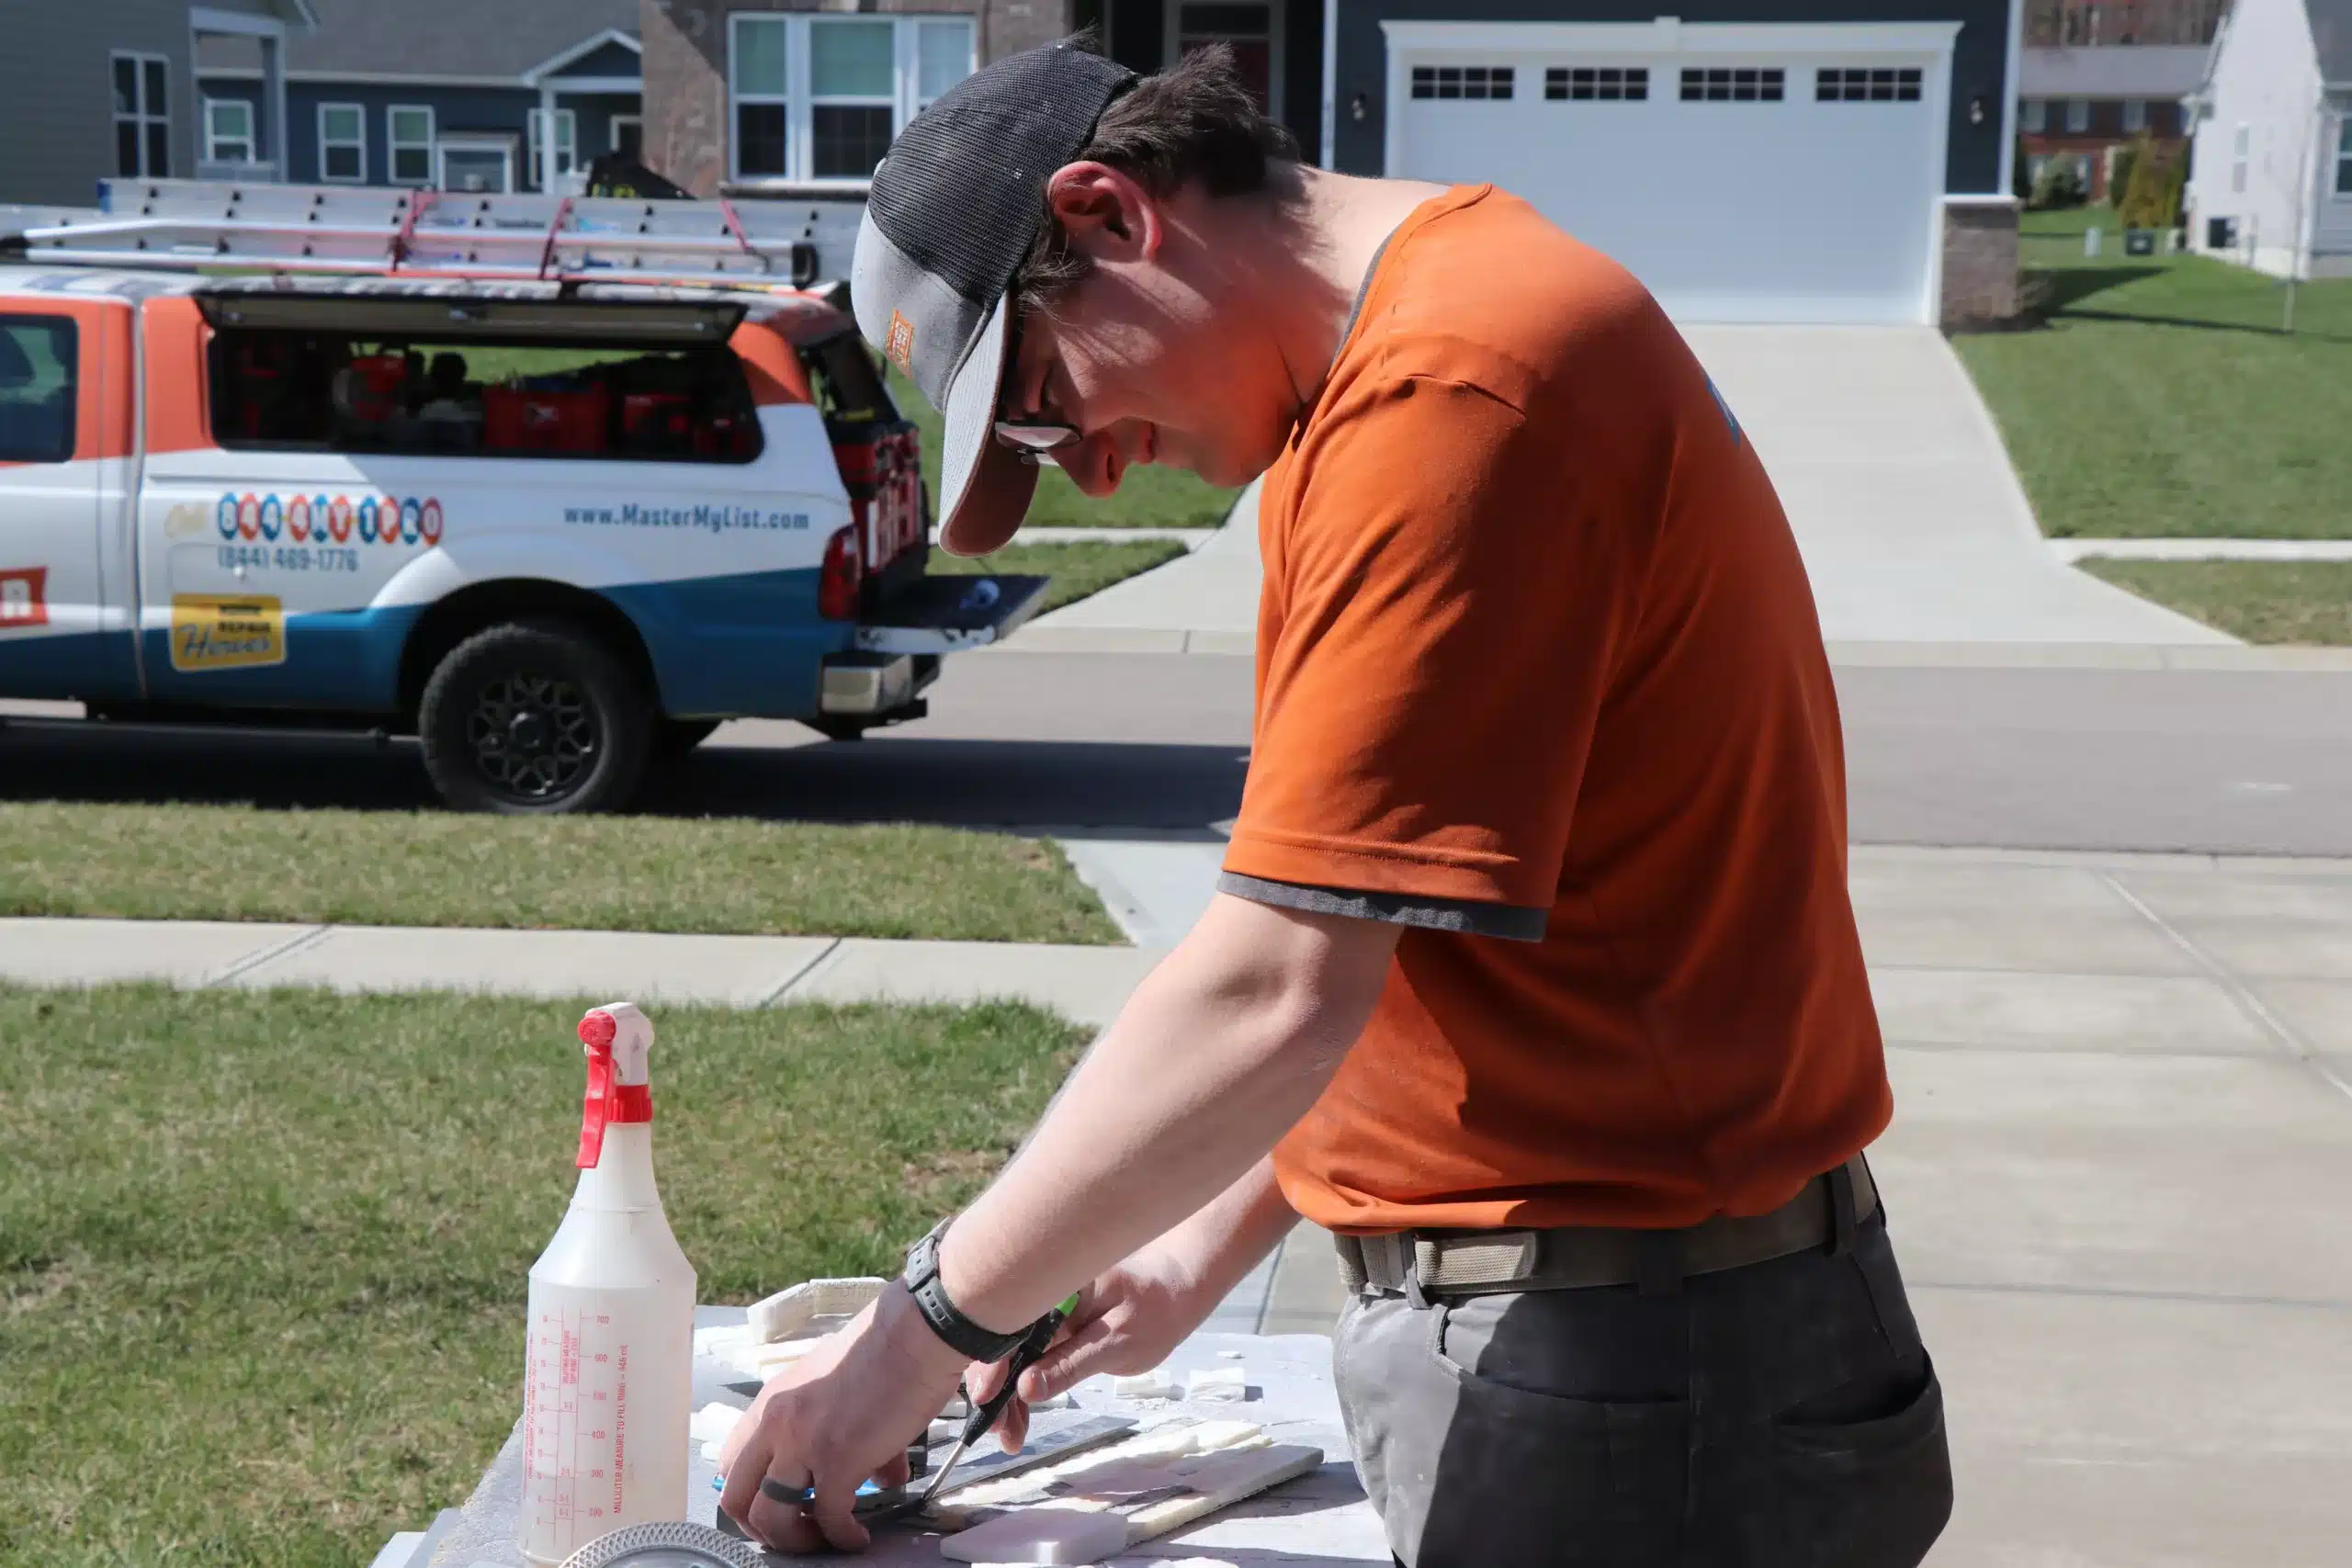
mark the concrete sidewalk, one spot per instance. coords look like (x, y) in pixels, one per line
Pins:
(1087, 984)
(2117, 1173)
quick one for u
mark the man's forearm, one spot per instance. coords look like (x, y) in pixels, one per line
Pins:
(1221, 1049)
(1231, 1233)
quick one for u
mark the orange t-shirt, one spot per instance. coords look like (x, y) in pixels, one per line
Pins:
(1537, 659)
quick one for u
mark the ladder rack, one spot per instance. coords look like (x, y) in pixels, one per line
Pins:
(387, 231)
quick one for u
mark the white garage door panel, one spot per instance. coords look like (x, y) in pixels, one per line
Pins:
(1793, 211)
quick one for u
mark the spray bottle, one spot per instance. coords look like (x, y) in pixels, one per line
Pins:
(608, 1358)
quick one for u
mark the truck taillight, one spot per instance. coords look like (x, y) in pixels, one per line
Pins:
(856, 460)
(839, 579)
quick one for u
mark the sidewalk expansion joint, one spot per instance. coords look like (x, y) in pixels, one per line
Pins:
(816, 962)
(298, 942)
(2253, 1006)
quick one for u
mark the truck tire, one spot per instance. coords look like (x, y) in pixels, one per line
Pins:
(534, 718)
(674, 738)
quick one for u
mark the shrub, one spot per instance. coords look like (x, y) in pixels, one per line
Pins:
(2120, 162)
(2151, 199)
(2056, 185)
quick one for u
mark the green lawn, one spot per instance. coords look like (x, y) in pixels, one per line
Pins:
(1077, 569)
(263, 1256)
(2265, 602)
(1147, 498)
(2164, 400)
(597, 872)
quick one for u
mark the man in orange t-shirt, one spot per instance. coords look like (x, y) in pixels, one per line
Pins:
(1531, 975)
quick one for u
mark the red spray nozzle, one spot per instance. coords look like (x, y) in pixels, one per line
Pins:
(610, 1100)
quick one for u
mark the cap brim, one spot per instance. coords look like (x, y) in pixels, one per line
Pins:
(986, 490)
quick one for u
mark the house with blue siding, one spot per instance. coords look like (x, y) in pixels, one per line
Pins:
(98, 92)
(449, 93)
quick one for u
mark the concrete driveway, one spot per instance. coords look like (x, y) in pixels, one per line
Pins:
(1912, 521)
(1913, 525)
(2117, 1179)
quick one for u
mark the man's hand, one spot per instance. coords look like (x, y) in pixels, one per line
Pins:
(1126, 1322)
(842, 1415)
(1137, 1311)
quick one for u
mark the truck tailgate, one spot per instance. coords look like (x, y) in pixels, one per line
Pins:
(944, 615)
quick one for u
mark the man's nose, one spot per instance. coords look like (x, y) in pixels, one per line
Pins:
(1092, 464)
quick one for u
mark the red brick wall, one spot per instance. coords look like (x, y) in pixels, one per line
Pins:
(685, 66)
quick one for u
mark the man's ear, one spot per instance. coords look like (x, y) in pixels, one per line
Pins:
(1107, 215)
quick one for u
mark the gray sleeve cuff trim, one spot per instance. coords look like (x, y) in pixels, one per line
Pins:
(1507, 921)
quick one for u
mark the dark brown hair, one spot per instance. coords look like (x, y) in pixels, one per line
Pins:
(1193, 122)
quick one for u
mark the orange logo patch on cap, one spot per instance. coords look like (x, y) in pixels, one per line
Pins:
(900, 344)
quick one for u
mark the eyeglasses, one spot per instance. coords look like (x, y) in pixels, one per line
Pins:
(1034, 439)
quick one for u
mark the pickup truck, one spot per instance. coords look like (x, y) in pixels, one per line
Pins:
(558, 533)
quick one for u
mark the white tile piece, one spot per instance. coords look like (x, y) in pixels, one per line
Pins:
(1220, 1385)
(713, 1422)
(1059, 1534)
(797, 1307)
(1144, 1385)
(1219, 1481)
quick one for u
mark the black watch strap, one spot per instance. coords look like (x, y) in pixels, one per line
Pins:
(962, 1335)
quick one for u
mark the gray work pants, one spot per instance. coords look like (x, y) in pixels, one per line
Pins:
(1779, 1416)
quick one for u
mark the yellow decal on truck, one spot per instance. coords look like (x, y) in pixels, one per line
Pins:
(223, 631)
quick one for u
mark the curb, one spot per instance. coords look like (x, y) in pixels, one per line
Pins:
(2075, 550)
(1845, 655)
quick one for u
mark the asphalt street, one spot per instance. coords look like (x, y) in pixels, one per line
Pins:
(1152, 744)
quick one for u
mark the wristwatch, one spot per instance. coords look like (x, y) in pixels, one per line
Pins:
(962, 1335)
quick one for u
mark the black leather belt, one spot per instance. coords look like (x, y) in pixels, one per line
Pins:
(1424, 1264)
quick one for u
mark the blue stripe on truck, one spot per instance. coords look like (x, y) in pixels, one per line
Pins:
(749, 644)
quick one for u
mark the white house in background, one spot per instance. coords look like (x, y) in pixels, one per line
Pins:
(2272, 170)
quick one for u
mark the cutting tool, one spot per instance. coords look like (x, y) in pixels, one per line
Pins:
(1024, 1354)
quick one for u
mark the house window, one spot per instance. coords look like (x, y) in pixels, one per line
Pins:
(1462, 81)
(1603, 84)
(343, 142)
(942, 57)
(483, 164)
(762, 80)
(1248, 30)
(823, 98)
(2344, 156)
(2240, 148)
(142, 117)
(2033, 116)
(567, 141)
(1871, 85)
(228, 130)
(852, 96)
(1732, 84)
(628, 137)
(2078, 115)
(2135, 116)
(408, 132)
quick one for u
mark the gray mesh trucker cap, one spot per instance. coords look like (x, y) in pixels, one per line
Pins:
(951, 214)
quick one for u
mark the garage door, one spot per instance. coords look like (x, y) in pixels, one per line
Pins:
(1762, 173)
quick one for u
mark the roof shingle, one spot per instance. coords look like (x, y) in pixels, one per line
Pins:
(432, 37)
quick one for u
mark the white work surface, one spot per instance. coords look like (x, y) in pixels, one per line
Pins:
(1320, 1521)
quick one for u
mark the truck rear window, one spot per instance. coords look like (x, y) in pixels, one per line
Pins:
(36, 389)
(278, 389)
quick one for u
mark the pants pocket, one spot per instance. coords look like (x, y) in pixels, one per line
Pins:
(1526, 1476)
(1861, 1478)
